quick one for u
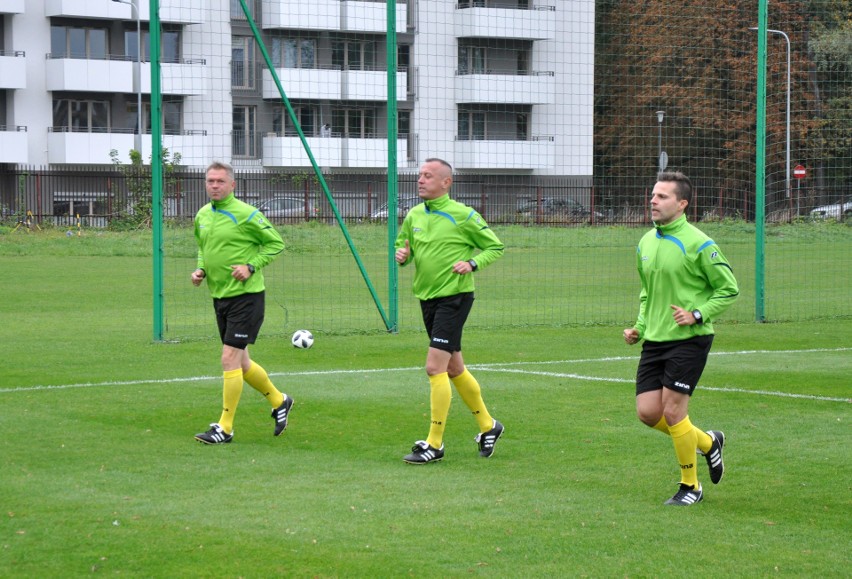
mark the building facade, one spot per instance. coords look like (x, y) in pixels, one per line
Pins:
(494, 87)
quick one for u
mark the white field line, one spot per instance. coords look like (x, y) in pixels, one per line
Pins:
(499, 367)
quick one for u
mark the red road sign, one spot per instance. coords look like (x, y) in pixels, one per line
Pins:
(799, 172)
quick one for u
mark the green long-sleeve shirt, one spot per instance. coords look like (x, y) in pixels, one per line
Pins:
(232, 232)
(680, 265)
(442, 232)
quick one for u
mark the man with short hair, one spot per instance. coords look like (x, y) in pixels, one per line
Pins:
(686, 284)
(235, 243)
(440, 236)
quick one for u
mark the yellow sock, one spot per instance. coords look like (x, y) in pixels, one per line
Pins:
(683, 436)
(231, 392)
(662, 426)
(704, 440)
(440, 399)
(470, 392)
(258, 379)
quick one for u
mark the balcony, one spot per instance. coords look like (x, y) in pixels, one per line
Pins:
(12, 7)
(347, 16)
(534, 88)
(94, 148)
(13, 69)
(538, 23)
(171, 11)
(13, 145)
(88, 75)
(333, 152)
(316, 83)
(538, 153)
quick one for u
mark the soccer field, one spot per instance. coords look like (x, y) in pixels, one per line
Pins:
(102, 474)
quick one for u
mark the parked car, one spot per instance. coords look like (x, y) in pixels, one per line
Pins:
(835, 211)
(287, 207)
(556, 206)
(403, 205)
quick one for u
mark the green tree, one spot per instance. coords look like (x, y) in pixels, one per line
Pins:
(137, 213)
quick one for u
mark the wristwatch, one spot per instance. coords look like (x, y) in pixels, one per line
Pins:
(699, 319)
(473, 265)
(250, 268)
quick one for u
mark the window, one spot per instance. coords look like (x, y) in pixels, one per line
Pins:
(355, 123)
(471, 125)
(78, 116)
(78, 42)
(237, 9)
(306, 115)
(243, 135)
(472, 60)
(294, 52)
(171, 114)
(242, 62)
(169, 51)
(353, 54)
(403, 124)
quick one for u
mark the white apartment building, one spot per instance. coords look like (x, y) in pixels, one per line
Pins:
(492, 86)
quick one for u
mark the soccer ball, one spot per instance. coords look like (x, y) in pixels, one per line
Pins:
(302, 339)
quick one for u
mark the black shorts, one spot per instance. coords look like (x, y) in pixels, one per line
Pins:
(444, 319)
(674, 365)
(239, 318)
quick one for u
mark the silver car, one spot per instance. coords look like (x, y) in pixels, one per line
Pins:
(287, 207)
(836, 211)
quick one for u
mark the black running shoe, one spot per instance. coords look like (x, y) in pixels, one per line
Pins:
(216, 435)
(421, 453)
(280, 415)
(487, 440)
(687, 495)
(714, 456)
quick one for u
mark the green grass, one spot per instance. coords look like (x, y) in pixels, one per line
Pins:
(101, 474)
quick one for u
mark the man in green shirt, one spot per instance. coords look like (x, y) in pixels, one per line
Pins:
(440, 236)
(686, 284)
(235, 242)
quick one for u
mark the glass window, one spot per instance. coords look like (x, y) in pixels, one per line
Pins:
(242, 62)
(243, 137)
(97, 44)
(76, 43)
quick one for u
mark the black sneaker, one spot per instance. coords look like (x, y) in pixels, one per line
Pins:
(421, 453)
(687, 495)
(216, 435)
(714, 456)
(487, 440)
(280, 415)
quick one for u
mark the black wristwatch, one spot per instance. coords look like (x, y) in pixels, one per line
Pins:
(250, 268)
(699, 319)
(473, 265)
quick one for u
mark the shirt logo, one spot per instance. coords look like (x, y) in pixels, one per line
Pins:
(644, 258)
(714, 255)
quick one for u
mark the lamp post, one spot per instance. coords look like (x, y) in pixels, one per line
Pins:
(137, 74)
(663, 158)
(787, 39)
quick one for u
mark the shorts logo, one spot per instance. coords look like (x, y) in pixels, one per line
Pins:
(440, 340)
(681, 386)
(241, 335)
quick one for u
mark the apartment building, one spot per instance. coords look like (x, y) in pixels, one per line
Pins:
(493, 86)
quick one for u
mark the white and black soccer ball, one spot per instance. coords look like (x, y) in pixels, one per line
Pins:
(302, 339)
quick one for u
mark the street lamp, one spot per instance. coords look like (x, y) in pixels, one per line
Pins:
(787, 38)
(137, 74)
(663, 158)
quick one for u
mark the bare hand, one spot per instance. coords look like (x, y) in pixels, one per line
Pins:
(240, 272)
(403, 253)
(682, 317)
(197, 277)
(631, 336)
(462, 267)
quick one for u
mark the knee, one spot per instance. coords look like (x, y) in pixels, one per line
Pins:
(647, 417)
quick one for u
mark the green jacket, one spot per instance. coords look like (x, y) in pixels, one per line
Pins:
(679, 265)
(232, 232)
(441, 233)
